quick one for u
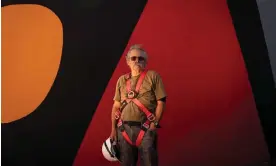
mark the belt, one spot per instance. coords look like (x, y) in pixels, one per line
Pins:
(132, 123)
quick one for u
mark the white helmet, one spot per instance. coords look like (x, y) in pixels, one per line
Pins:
(110, 150)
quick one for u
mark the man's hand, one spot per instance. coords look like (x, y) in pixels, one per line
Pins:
(152, 127)
(113, 135)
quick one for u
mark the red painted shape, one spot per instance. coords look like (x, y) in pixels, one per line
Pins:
(210, 117)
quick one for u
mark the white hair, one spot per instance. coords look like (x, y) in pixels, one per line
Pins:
(137, 47)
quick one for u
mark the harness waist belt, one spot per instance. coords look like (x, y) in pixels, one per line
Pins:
(132, 123)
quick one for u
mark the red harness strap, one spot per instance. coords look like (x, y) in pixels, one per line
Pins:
(132, 97)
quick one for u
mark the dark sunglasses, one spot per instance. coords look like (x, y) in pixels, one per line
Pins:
(140, 58)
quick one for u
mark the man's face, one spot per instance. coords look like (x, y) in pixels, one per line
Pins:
(136, 60)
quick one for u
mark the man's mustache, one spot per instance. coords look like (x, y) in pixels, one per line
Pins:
(138, 64)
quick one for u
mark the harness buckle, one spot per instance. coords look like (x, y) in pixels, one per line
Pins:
(151, 117)
(117, 115)
(145, 125)
(131, 94)
(124, 103)
(120, 123)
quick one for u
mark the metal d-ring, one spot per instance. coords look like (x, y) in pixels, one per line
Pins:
(131, 94)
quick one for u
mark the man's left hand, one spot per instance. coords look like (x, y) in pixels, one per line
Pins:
(152, 127)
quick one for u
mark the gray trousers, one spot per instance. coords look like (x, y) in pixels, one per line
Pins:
(147, 149)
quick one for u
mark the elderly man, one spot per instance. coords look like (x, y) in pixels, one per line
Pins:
(139, 102)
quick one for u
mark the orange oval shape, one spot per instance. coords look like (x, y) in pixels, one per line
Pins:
(32, 39)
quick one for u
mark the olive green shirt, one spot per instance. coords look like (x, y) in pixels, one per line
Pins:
(151, 90)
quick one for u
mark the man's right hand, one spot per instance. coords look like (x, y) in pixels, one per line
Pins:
(113, 135)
